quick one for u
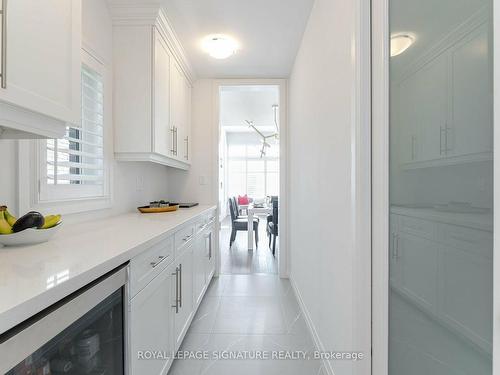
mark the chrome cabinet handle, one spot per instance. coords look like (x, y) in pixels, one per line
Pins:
(441, 149)
(176, 145)
(446, 130)
(185, 239)
(393, 242)
(180, 285)
(154, 264)
(187, 147)
(3, 62)
(210, 246)
(176, 274)
(172, 150)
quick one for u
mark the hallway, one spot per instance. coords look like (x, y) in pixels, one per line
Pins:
(248, 313)
(238, 260)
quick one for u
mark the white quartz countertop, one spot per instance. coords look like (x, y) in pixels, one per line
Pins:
(482, 221)
(34, 277)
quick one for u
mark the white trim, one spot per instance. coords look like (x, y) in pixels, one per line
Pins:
(318, 344)
(137, 12)
(496, 178)
(361, 182)
(380, 187)
(29, 160)
(152, 157)
(283, 258)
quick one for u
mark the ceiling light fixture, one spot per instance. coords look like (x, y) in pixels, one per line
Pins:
(219, 46)
(400, 43)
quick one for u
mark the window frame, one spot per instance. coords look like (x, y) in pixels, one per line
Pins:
(32, 163)
(265, 172)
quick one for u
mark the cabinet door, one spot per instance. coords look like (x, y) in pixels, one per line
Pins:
(199, 268)
(151, 318)
(161, 109)
(472, 94)
(184, 292)
(43, 63)
(417, 258)
(186, 120)
(404, 120)
(176, 102)
(431, 108)
(465, 291)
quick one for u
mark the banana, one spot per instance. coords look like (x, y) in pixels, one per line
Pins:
(5, 227)
(9, 217)
(51, 221)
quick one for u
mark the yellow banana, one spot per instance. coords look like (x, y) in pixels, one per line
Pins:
(5, 228)
(51, 221)
(11, 219)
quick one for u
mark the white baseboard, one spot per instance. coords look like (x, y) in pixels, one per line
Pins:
(327, 366)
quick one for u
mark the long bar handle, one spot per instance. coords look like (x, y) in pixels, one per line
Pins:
(176, 274)
(172, 150)
(180, 285)
(187, 147)
(3, 62)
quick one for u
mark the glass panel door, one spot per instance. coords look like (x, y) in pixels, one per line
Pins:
(93, 345)
(441, 187)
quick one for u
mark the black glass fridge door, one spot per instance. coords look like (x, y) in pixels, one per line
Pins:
(93, 345)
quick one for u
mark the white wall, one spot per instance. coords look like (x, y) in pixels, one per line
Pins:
(322, 175)
(97, 36)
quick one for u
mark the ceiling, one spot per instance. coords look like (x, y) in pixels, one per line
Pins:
(268, 31)
(429, 21)
(252, 103)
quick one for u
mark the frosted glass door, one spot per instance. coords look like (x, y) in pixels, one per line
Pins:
(441, 187)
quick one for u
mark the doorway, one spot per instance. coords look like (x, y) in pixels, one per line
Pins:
(251, 167)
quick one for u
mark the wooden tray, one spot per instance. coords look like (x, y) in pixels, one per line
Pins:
(153, 210)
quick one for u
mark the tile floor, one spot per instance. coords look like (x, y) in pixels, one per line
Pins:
(255, 312)
(238, 260)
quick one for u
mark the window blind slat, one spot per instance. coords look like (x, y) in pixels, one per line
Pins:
(78, 158)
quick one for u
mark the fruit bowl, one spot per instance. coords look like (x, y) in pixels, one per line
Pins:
(30, 236)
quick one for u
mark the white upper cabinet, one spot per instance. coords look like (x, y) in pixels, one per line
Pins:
(472, 120)
(40, 55)
(436, 121)
(150, 94)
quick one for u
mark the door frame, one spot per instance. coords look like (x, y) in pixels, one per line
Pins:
(283, 254)
(380, 188)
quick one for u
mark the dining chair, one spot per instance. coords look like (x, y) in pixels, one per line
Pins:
(240, 224)
(272, 226)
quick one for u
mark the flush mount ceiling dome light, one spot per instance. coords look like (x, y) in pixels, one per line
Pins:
(400, 43)
(219, 46)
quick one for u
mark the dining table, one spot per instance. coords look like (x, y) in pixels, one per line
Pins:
(253, 210)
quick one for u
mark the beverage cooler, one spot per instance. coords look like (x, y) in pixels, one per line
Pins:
(81, 335)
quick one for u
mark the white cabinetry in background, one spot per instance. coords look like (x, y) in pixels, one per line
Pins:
(434, 264)
(152, 94)
(41, 65)
(437, 122)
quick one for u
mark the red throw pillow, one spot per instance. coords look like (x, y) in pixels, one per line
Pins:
(243, 200)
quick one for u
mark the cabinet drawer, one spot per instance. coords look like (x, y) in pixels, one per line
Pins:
(417, 227)
(184, 236)
(146, 266)
(471, 240)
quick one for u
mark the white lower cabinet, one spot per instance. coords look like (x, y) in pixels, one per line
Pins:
(151, 317)
(183, 290)
(167, 283)
(434, 264)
